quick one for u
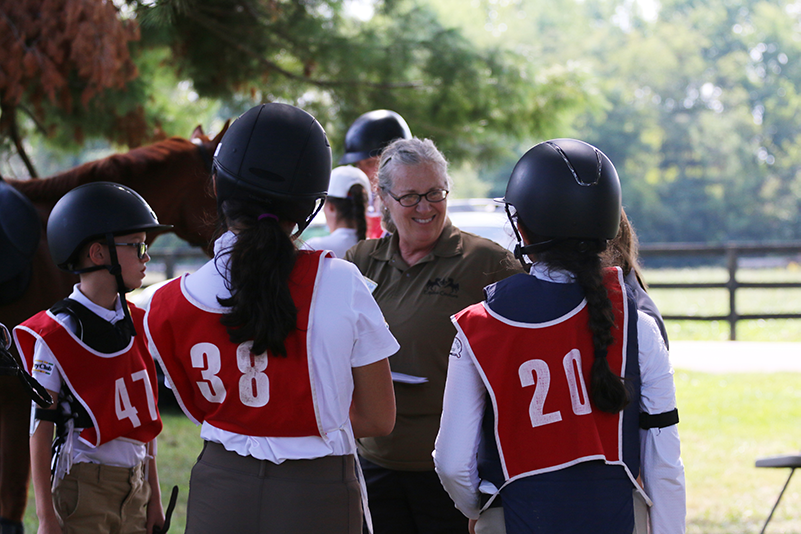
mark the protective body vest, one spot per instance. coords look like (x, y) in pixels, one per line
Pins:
(539, 386)
(132, 412)
(224, 383)
(543, 443)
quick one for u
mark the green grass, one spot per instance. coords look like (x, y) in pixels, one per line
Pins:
(727, 422)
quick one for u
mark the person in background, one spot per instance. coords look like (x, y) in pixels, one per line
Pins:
(623, 252)
(279, 353)
(364, 141)
(422, 274)
(559, 392)
(345, 211)
(89, 352)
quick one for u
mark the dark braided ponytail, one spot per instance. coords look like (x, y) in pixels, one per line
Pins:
(582, 259)
(260, 263)
(352, 210)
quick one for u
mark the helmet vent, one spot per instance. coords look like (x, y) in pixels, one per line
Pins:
(572, 169)
(266, 175)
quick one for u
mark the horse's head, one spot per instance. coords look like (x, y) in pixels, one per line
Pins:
(193, 210)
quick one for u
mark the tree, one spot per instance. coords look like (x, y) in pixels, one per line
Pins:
(316, 55)
(57, 59)
(471, 100)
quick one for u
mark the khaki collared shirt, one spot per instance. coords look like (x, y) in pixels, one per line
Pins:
(417, 303)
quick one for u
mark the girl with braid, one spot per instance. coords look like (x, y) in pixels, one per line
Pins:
(345, 211)
(560, 392)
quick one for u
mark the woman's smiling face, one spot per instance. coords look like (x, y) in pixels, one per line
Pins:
(418, 226)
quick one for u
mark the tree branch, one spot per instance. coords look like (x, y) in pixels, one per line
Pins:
(292, 76)
(10, 123)
(39, 126)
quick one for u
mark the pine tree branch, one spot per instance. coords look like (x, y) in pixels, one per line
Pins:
(202, 21)
(10, 124)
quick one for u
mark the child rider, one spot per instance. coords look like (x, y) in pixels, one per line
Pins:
(89, 352)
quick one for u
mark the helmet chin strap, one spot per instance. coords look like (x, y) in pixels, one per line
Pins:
(311, 216)
(116, 270)
(522, 251)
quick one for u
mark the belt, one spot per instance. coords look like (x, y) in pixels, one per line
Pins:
(326, 468)
(92, 472)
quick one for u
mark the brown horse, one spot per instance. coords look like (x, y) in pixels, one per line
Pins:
(173, 177)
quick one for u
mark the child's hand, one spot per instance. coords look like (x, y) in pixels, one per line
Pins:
(155, 515)
(49, 525)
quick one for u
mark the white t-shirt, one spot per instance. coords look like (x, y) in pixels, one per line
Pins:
(338, 241)
(118, 452)
(348, 330)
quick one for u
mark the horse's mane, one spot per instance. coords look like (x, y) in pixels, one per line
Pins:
(118, 168)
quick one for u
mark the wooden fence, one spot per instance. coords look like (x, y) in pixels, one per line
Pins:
(732, 252)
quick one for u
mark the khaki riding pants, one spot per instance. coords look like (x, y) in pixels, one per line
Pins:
(103, 499)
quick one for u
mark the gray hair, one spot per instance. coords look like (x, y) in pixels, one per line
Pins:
(410, 152)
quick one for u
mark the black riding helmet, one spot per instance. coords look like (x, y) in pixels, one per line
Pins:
(92, 212)
(565, 189)
(371, 132)
(277, 155)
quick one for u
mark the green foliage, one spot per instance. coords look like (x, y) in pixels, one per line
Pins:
(473, 101)
(697, 103)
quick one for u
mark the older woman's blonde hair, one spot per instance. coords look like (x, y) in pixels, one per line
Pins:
(410, 152)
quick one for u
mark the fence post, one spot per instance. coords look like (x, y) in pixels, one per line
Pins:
(169, 264)
(731, 260)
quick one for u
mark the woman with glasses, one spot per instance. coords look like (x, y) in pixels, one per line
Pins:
(422, 274)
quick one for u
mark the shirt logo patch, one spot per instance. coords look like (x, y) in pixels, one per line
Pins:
(456, 348)
(442, 286)
(43, 367)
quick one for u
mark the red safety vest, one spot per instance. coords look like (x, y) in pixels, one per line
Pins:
(131, 411)
(538, 377)
(224, 383)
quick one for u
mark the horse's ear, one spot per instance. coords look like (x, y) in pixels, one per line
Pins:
(197, 133)
(219, 136)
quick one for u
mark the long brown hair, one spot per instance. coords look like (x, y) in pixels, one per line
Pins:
(582, 259)
(624, 250)
(261, 260)
(352, 210)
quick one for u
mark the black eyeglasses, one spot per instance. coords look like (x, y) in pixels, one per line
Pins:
(141, 248)
(413, 199)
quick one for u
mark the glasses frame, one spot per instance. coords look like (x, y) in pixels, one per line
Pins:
(420, 197)
(141, 251)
